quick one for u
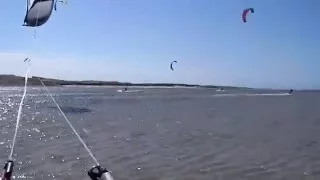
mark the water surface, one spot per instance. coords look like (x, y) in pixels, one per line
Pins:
(164, 134)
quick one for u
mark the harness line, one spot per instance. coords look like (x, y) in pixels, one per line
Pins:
(19, 113)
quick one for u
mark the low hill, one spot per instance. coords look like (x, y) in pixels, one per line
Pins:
(12, 80)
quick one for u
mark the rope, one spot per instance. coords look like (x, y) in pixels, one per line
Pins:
(19, 112)
(67, 120)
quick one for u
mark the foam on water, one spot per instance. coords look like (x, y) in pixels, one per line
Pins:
(238, 95)
(129, 91)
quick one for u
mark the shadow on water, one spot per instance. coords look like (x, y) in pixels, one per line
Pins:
(72, 110)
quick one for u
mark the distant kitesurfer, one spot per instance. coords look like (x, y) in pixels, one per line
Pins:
(125, 89)
(290, 92)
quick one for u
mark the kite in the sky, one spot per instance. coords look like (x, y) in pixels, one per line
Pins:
(171, 65)
(38, 12)
(245, 13)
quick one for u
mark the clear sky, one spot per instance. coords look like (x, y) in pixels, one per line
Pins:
(135, 41)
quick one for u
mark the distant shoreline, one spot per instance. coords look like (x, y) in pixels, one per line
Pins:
(12, 80)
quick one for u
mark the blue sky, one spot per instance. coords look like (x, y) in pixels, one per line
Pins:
(135, 40)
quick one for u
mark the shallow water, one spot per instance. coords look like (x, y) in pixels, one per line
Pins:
(164, 134)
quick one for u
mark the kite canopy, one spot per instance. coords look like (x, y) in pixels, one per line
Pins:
(245, 13)
(38, 12)
(171, 65)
